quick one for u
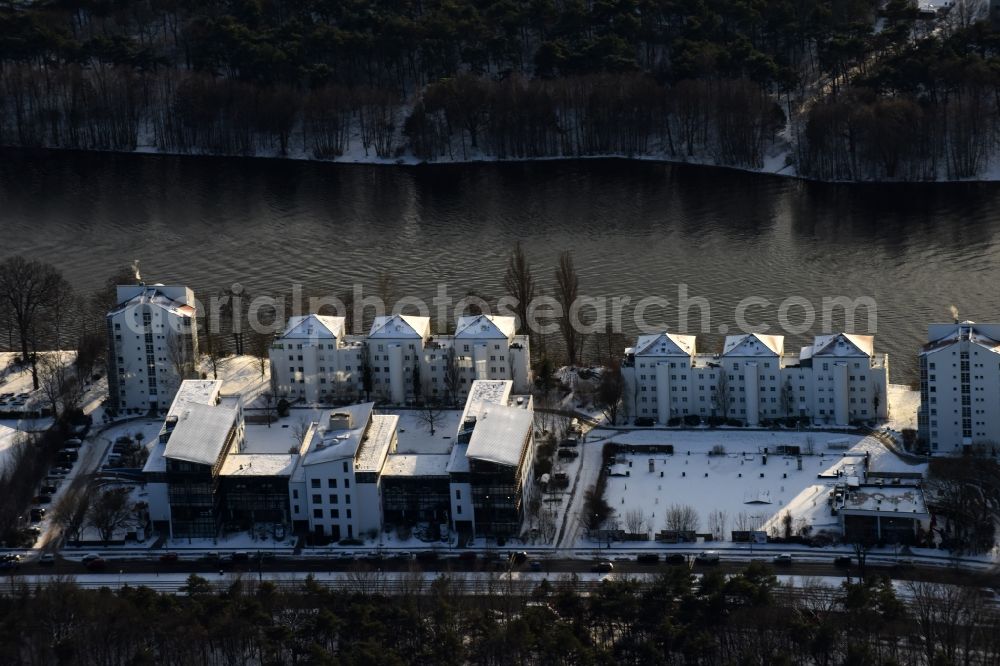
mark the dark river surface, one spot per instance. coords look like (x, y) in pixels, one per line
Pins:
(635, 229)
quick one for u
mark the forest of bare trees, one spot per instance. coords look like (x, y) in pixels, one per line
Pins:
(801, 86)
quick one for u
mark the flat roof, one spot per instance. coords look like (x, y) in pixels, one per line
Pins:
(375, 444)
(251, 464)
(499, 434)
(417, 464)
(885, 500)
(201, 433)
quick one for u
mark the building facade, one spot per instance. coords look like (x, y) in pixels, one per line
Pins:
(960, 387)
(837, 380)
(399, 362)
(152, 346)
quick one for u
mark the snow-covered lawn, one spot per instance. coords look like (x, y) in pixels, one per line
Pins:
(415, 435)
(240, 375)
(903, 405)
(749, 492)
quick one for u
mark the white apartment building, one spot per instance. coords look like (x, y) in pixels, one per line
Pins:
(152, 346)
(836, 380)
(314, 360)
(335, 484)
(960, 386)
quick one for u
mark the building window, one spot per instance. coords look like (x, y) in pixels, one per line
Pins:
(331, 483)
(315, 483)
(317, 499)
(317, 513)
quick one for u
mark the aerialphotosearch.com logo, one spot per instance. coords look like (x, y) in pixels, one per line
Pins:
(548, 314)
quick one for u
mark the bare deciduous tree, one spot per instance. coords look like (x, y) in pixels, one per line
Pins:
(109, 511)
(681, 518)
(59, 383)
(608, 396)
(30, 291)
(635, 521)
(431, 415)
(520, 283)
(567, 291)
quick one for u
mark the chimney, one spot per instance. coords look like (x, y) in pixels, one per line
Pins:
(340, 421)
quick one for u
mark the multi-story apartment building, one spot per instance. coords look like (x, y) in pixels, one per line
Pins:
(152, 346)
(399, 361)
(838, 379)
(960, 386)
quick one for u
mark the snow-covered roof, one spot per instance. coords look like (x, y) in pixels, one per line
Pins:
(485, 327)
(326, 443)
(173, 299)
(313, 326)
(458, 461)
(843, 344)
(418, 464)
(485, 392)
(195, 392)
(665, 344)
(908, 501)
(376, 443)
(400, 326)
(754, 344)
(499, 434)
(941, 336)
(258, 464)
(201, 433)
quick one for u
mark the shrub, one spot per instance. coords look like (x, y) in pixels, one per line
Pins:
(692, 420)
(283, 408)
(674, 421)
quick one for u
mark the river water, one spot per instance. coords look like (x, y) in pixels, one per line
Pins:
(635, 229)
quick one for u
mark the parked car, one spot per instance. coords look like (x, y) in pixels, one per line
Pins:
(240, 556)
(783, 559)
(675, 559)
(468, 555)
(59, 471)
(603, 567)
(90, 557)
(427, 556)
(647, 558)
(902, 564)
(169, 557)
(9, 561)
(645, 421)
(68, 455)
(73, 443)
(37, 515)
(97, 564)
(707, 557)
(42, 499)
(47, 559)
(843, 561)
(535, 565)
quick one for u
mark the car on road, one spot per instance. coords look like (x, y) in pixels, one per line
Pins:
(169, 557)
(902, 564)
(707, 557)
(647, 558)
(519, 557)
(535, 565)
(427, 556)
(90, 557)
(675, 559)
(843, 561)
(603, 567)
(784, 559)
(73, 443)
(98, 564)
(240, 556)
(47, 559)
(9, 561)
(468, 556)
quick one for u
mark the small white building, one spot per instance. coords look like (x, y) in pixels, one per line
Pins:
(837, 380)
(399, 362)
(335, 486)
(960, 386)
(152, 346)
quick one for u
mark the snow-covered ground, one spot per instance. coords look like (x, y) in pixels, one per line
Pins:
(747, 491)
(415, 435)
(240, 375)
(903, 405)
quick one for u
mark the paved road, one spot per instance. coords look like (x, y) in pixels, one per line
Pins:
(557, 567)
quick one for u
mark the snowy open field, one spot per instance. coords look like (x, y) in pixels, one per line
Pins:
(739, 484)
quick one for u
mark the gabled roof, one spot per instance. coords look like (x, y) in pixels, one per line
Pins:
(200, 433)
(314, 326)
(400, 326)
(844, 344)
(499, 434)
(153, 295)
(665, 344)
(943, 336)
(485, 327)
(754, 344)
